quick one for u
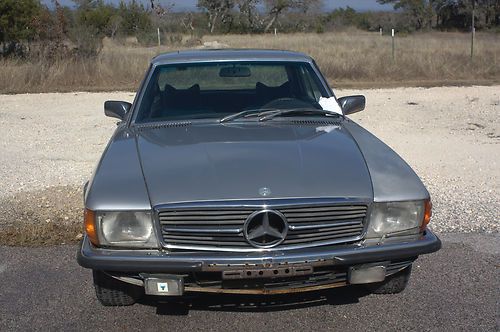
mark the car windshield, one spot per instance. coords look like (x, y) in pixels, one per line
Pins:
(217, 90)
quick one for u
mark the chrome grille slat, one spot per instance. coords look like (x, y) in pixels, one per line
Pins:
(309, 226)
(211, 243)
(329, 208)
(207, 218)
(200, 229)
(213, 228)
(202, 238)
(346, 214)
(340, 217)
(314, 232)
(206, 212)
(201, 222)
(320, 238)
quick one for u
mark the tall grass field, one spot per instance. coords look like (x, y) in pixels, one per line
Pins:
(347, 59)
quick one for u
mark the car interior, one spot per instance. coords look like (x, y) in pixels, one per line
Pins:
(166, 101)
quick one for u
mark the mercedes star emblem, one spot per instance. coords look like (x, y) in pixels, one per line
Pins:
(264, 191)
(265, 228)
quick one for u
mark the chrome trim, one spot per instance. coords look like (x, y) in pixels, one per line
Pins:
(288, 247)
(127, 279)
(204, 230)
(304, 227)
(261, 204)
(274, 203)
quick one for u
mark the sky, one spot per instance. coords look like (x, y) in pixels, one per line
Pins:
(183, 5)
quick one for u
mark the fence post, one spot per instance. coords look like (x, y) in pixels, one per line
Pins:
(381, 32)
(473, 32)
(159, 40)
(275, 31)
(393, 46)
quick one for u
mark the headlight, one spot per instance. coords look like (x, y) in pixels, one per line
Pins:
(398, 217)
(125, 229)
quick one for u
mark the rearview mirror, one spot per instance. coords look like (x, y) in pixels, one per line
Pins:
(116, 109)
(235, 71)
(352, 104)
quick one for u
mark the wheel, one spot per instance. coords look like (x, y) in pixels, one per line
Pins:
(113, 292)
(393, 284)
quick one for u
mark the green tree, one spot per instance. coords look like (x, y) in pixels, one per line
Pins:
(16, 22)
(95, 15)
(275, 8)
(486, 12)
(217, 10)
(419, 12)
(136, 18)
(249, 15)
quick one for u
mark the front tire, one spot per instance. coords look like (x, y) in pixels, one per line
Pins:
(393, 284)
(113, 292)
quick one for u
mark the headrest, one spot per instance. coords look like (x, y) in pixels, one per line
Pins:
(193, 90)
(271, 92)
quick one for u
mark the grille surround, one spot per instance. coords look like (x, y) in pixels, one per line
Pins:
(219, 226)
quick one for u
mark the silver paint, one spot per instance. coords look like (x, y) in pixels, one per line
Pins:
(211, 161)
(141, 168)
(392, 178)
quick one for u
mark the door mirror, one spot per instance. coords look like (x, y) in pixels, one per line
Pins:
(116, 109)
(352, 104)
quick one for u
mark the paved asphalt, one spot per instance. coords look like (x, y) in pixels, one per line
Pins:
(456, 289)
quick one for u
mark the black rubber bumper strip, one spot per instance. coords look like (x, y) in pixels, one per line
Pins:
(184, 262)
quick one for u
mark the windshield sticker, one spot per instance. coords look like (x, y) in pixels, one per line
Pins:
(330, 104)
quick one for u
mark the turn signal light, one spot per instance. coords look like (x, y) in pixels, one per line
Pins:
(427, 214)
(90, 228)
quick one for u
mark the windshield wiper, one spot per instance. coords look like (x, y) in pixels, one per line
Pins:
(269, 113)
(247, 113)
(238, 115)
(297, 111)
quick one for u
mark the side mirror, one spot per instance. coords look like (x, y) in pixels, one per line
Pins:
(116, 109)
(352, 104)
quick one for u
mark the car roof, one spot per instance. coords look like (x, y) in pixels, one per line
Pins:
(208, 55)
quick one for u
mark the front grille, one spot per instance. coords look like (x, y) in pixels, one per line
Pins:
(222, 228)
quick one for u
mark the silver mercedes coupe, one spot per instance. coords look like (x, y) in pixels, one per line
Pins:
(239, 171)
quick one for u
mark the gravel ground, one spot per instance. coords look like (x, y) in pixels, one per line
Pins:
(450, 136)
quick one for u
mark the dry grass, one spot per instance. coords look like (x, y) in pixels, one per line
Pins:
(347, 59)
(45, 217)
(367, 57)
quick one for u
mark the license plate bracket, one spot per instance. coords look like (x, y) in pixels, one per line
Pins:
(271, 272)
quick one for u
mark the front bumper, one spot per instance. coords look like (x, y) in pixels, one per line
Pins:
(155, 261)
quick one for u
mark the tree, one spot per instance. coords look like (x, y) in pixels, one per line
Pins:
(16, 22)
(249, 15)
(95, 15)
(136, 18)
(486, 12)
(275, 8)
(218, 10)
(420, 12)
(458, 13)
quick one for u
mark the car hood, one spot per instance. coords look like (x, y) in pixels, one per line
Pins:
(199, 162)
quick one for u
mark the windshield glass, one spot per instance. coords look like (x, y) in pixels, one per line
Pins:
(216, 90)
